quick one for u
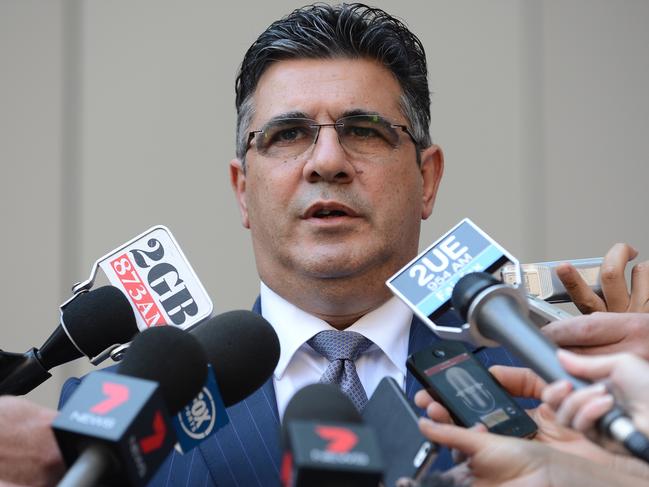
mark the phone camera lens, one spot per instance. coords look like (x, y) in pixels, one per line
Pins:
(439, 353)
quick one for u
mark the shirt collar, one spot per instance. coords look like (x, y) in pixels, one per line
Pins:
(295, 326)
(388, 326)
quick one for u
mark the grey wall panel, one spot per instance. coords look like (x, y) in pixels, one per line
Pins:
(31, 59)
(596, 125)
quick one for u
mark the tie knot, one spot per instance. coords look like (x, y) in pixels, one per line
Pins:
(339, 345)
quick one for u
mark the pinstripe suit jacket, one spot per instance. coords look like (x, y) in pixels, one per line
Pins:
(246, 452)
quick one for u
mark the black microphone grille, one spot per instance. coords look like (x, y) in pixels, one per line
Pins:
(98, 319)
(319, 402)
(243, 349)
(467, 288)
(171, 357)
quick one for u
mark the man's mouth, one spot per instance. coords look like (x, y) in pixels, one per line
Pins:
(329, 213)
(329, 210)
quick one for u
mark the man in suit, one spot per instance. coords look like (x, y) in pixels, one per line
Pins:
(334, 172)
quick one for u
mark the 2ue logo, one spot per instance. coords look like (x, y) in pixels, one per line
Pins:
(116, 395)
(341, 440)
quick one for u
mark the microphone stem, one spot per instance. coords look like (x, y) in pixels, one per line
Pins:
(21, 373)
(526, 342)
(88, 469)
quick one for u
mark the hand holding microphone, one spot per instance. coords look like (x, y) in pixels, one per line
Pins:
(498, 313)
(503, 460)
(522, 382)
(602, 334)
(624, 374)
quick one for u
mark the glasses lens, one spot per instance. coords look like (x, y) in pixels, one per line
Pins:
(367, 134)
(287, 137)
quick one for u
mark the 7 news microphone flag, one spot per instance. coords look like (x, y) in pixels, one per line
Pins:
(115, 428)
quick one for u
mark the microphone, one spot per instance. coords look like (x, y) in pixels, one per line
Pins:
(325, 442)
(90, 323)
(406, 452)
(242, 349)
(171, 357)
(115, 427)
(498, 312)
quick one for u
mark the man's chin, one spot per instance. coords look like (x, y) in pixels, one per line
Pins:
(336, 266)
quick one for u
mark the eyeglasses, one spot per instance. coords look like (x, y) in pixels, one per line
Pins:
(365, 135)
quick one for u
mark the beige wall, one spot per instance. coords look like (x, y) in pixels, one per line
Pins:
(115, 116)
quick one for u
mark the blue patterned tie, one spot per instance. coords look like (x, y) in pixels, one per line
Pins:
(342, 348)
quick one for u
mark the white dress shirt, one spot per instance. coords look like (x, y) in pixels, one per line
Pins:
(388, 327)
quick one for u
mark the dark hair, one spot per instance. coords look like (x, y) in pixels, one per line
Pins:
(354, 30)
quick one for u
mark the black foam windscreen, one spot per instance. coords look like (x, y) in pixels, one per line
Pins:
(243, 349)
(319, 402)
(468, 287)
(98, 319)
(171, 357)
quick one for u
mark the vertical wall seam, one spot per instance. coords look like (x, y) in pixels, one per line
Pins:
(71, 164)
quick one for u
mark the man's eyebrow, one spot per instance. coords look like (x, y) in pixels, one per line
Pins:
(298, 114)
(281, 116)
(359, 111)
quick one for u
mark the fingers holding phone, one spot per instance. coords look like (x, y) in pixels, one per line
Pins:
(465, 392)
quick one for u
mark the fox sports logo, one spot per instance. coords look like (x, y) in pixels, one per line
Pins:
(197, 419)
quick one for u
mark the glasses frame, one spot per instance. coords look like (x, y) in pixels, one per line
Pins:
(336, 124)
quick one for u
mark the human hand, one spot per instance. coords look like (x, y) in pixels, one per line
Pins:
(617, 297)
(602, 333)
(29, 454)
(523, 382)
(627, 377)
(518, 381)
(496, 460)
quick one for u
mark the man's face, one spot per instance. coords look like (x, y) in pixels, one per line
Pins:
(327, 214)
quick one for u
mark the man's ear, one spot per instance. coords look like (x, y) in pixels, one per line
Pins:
(432, 169)
(238, 182)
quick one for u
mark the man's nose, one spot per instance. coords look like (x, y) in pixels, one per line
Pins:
(328, 160)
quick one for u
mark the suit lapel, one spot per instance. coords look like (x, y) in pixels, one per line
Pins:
(247, 451)
(420, 337)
